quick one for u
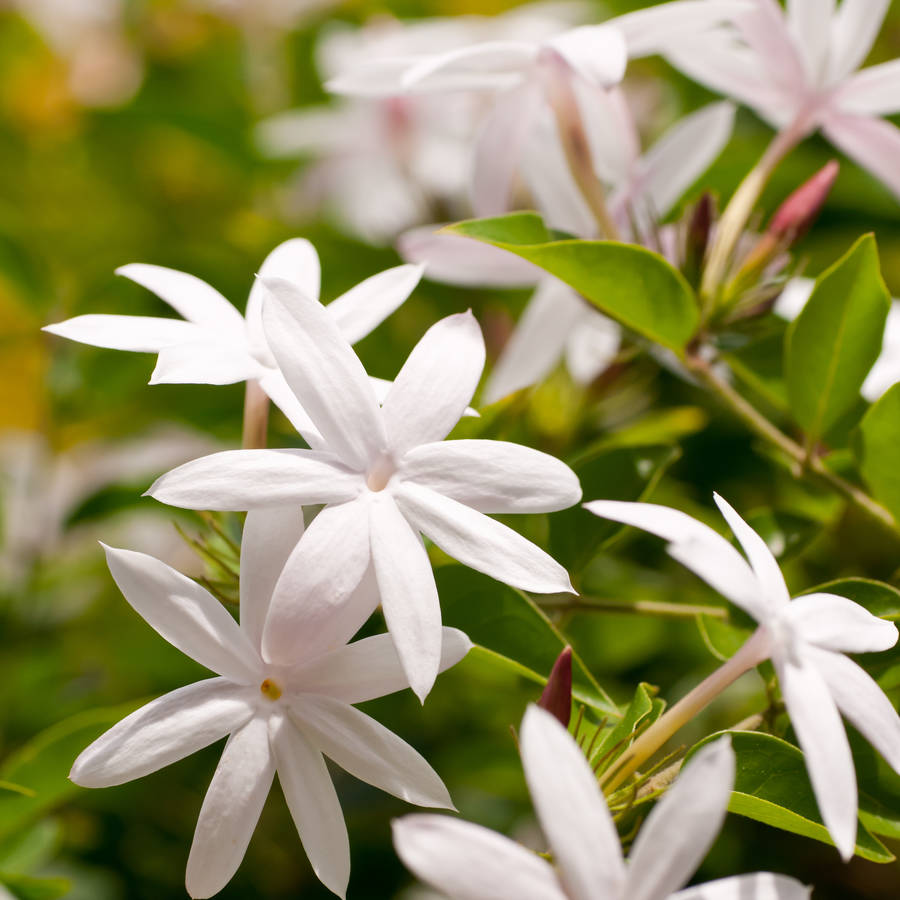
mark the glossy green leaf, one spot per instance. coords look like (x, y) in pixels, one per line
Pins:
(785, 534)
(835, 340)
(26, 887)
(637, 287)
(876, 449)
(642, 711)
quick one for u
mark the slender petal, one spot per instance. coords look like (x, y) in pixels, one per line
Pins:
(493, 476)
(872, 143)
(758, 886)
(250, 479)
(163, 731)
(313, 803)
(280, 393)
(269, 537)
(436, 383)
(571, 808)
(682, 826)
(205, 362)
(836, 623)
(480, 542)
(468, 862)
(810, 22)
(596, 52)
(324, 372)
(592, 347)
(231, 809)
(184, 613)
(488, 65)
(369, 751)
(873, 92)
(853, 31)
(409, 595)
(765, 30)
(141, 334)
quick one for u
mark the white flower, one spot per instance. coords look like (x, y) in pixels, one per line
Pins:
(798, 66)
(279, 718)
(468, 862)
(806, 639)
(216, 344)
(385, 477)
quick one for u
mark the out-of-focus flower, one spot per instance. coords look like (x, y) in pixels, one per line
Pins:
(278, 718)
(806, 638)
(386, 475)
(468, 862)
(280, 14)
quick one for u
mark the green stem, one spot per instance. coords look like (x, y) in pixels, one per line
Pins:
(639, 607)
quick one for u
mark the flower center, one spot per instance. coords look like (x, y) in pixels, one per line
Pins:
(380, 473)
(270, 689)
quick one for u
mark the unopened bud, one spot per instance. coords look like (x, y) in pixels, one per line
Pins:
(796, 215)
(696, 237)
(557, 695)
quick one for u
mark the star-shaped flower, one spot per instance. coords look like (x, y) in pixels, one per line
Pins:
(386, 477)
(278, 718)
(216, 344)
(468, 862)
(806, 638)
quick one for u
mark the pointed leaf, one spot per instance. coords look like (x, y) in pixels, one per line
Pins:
(876, 448)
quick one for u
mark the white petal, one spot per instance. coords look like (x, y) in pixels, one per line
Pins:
(369, 751)
(280, 393)
(480, 542)
(823, 740)
(436, 383)
(361, 309)
(184, 613)
(324, 372)
(468, 862)
(592, 347)
(142, 334)
(794, 297)
(190, 297)
(874, 144)
(765, 30)
(163, 731)
(873, 92)
(853, 31)
(596, 52)
(493, 476)
(758, 886)
(810, 22)
(682, 826)
(250, 479)
(836, 623)
(370, 668)
(231, 809)
(409, 595)
(313, 804)
(490, 65)
(571, 809)
(205, 362)
(269, 537)
(537, 344)
(321, 600)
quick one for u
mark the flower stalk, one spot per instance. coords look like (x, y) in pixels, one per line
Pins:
(256, 417)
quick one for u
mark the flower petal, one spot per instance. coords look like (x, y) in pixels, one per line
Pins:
(489, 65)
(758, 886)
(163, 731)
(853, 31)
(184, 613)
(369, 751)
(250, 479)
(873, 92)
(766, 32)
(480, 542)
(231, 809)
(493, 476)
(141, 334)
(873, 144)
(435, 385)
(592, 347)
(324, 372)
(571, 809)
(681, 828)
(596, 52)
(836, 623)
(468, 862)
(205, 362)
(280, 393)
(313, 803)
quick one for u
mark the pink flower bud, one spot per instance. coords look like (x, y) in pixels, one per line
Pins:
(795, 216)
(557, 695)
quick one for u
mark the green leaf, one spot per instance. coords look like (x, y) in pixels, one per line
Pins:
(785, 534)
(876, 449)
(616, 740)
(771, 785)
(513, 631)
(759, 364)
(26, 887)
(878, 598)
(834, 342)
(633, 285)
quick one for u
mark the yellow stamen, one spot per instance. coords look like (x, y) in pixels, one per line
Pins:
(270, 689)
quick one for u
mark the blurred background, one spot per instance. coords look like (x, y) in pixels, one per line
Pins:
(143, 131)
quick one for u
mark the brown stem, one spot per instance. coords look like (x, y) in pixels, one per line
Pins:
(256, 416)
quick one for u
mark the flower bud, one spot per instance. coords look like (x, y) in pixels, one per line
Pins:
(557, 695)
(796, 215)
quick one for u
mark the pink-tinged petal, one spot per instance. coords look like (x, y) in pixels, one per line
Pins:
(251, 479)
(571, 809)
(810, 26)
(596, 52)
(490, 65)
(140, 334)
(163, 731)
(836, 623)
(873, 92)
(374, 78)
(190, 297)
(321, 600)
(231, 809)
(369, 668)
(493, 476)
(765, 566)
(480, 542)
(313, 803)
(765, 30)
(873, 144)
(361, 309)
(280, 393)
(205, 362)
(823, 740)
(758, 886)
(324, 372)
(853, 31)
(270, 536)
(862, 701)
(681, 828)
(185, 614)
(435, 385)
(539, 339)
(409, 595)
(468, 862)
(592, 347)
(369, 751)
(612, 132)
